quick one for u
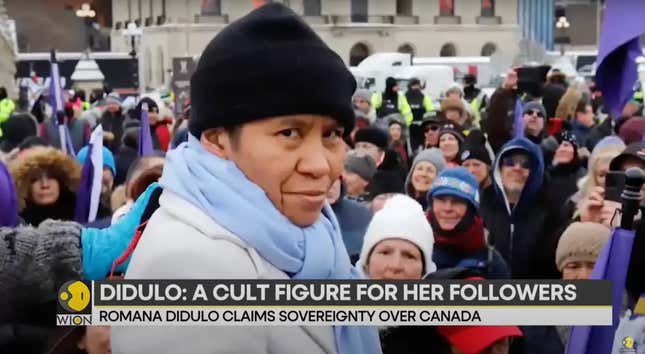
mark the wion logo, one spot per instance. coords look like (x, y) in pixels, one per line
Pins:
(74, 309)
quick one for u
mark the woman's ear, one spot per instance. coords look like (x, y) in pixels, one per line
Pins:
(217, 141)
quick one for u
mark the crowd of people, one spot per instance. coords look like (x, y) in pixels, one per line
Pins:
(339, 183)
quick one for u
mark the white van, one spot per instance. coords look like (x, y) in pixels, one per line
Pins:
(478, 66)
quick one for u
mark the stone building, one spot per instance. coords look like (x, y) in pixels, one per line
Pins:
(353, 28)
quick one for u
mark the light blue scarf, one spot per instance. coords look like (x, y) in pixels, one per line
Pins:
(223, 192)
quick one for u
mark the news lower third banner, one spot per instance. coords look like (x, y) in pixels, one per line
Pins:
(351, 302)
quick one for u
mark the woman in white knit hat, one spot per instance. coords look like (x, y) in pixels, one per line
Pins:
(398, 242)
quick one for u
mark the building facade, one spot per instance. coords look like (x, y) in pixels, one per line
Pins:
(353, 28)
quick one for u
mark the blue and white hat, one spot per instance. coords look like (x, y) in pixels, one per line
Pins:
(456, 182)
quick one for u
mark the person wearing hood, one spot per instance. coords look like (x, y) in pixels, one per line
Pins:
(475, 97)
(352, 216)
(476, 158)
(362, 101)
(425, 168)
(534, 117)
(158, 126)
(79, 130)
(213, 184)
(46, 182)
(450, 140)
(566, 168)
(391, 101)
(459, 234)
(112, 122)
(390, 175)
(398, 243)
(420, 104)
(524, 223)
(398, 139)
(357, 176)
(142, 173)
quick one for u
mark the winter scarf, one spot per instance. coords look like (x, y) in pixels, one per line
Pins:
(223, 192)
(466, 238)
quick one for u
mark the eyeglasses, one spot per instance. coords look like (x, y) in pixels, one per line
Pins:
(431, 127)
(512, 161)
(531, 112)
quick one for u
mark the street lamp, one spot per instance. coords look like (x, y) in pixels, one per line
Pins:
(131, 33)
(562, 25)
(85, 11)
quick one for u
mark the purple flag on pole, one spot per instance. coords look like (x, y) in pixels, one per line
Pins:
(8, 199)
(145, 137)
(518, 120)
(56, 101)
(83, 196)
(88, 196)
(612, 264)
(619, 47)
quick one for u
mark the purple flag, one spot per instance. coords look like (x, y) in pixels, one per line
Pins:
(612, 264)
(88, 196)
(518, 120)
(8, 199)
(145, 137)
(619, 47)
(83, 196)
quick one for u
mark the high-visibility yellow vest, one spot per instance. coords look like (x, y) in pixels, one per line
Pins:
(6, 108)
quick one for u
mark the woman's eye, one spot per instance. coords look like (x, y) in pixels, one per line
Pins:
(289, 133)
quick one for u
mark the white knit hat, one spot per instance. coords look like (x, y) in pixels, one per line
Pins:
(402, 218)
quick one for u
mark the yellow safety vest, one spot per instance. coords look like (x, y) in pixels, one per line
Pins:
(6, 108)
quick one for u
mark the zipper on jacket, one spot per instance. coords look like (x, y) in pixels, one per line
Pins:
(510, 253)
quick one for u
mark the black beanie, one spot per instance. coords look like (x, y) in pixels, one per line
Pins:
(374, 136)
(136, 112)
(474, 147)
(269, 63)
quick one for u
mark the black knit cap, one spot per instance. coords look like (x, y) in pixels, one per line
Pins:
(474, 147)
(152, 105)
(374, 136)
(269, 63)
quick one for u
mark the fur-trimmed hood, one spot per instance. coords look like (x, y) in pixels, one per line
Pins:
(61, 166)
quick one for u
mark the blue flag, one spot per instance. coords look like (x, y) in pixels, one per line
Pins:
(618, 49)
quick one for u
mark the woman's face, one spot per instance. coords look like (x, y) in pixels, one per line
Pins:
(45, 190)
(449, 211)
(423, 175)
(395, 258)
(577, 270)
(600, 171)
(395, 132)
(477, 168)
(449, 146)
(564, 153)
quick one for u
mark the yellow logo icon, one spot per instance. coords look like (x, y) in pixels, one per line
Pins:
(74, 296)
(628, 342)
